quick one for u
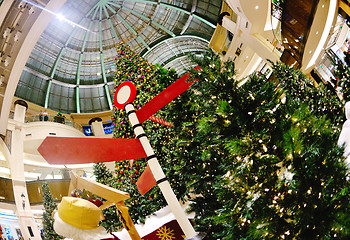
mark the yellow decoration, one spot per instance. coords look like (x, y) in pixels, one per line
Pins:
(112, 195)
(165, 233)
(126, 220)
(79, 213)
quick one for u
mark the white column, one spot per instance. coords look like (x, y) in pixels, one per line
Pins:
(264, 50)
(25, 216)
(36, 29)
(97, 129)
(229, 24)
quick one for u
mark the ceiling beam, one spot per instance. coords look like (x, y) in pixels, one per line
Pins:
(183, 61)
(63, 84)
(177, 8)
(77, 92)
(111, 24)
(108, 94)
(177, 37)
(128, 26)
(152, 22)
(53, 71)
(183, 54)
(190, 17)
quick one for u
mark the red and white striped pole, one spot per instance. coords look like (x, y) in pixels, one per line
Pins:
(124, 97)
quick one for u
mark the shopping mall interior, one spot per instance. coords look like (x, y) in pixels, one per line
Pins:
(57, 64)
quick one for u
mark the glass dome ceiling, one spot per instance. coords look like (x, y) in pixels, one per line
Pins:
(71, 67)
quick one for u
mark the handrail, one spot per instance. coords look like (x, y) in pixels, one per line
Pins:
(51, 118)
(276, 12)
(58, 188)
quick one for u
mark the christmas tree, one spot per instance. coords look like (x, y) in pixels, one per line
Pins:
(262, 157)
(200, 137)
(259, 159)
(103, 175)
(342, 75)
(49, 207)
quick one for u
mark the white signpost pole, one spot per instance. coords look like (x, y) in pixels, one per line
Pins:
(126, 93)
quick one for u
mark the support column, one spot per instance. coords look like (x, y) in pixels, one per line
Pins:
(97, 129)
(263, 49)
(25, 216)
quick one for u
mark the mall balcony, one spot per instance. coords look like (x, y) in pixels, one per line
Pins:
(295, 32)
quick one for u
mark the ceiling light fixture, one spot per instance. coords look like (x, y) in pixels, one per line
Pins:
(256, 7)
(60, 17)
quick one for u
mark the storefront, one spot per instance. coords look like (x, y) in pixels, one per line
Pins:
(9, 228)
(336, 49)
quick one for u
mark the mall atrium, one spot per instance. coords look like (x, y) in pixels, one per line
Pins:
(57, 57)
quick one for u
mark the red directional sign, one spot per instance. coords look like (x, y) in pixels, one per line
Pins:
(163, 98)
(71, 150)
(146, 181)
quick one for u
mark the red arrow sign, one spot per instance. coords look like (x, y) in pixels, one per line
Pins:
(146, 181)
(163, 98)
(70, 150)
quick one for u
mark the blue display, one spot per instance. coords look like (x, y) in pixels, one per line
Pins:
(107, 127)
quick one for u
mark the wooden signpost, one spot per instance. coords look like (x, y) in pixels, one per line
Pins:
(113, 197)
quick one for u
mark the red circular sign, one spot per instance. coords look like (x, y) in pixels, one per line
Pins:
(125, 93)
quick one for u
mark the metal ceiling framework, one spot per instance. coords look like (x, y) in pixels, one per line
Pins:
(190, 13)
(145, 18)
(53, 71)
(83, 65)
(176, 48)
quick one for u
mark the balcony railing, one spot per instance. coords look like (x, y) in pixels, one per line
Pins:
(276, 11)
(58, 188)
(50, 118)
